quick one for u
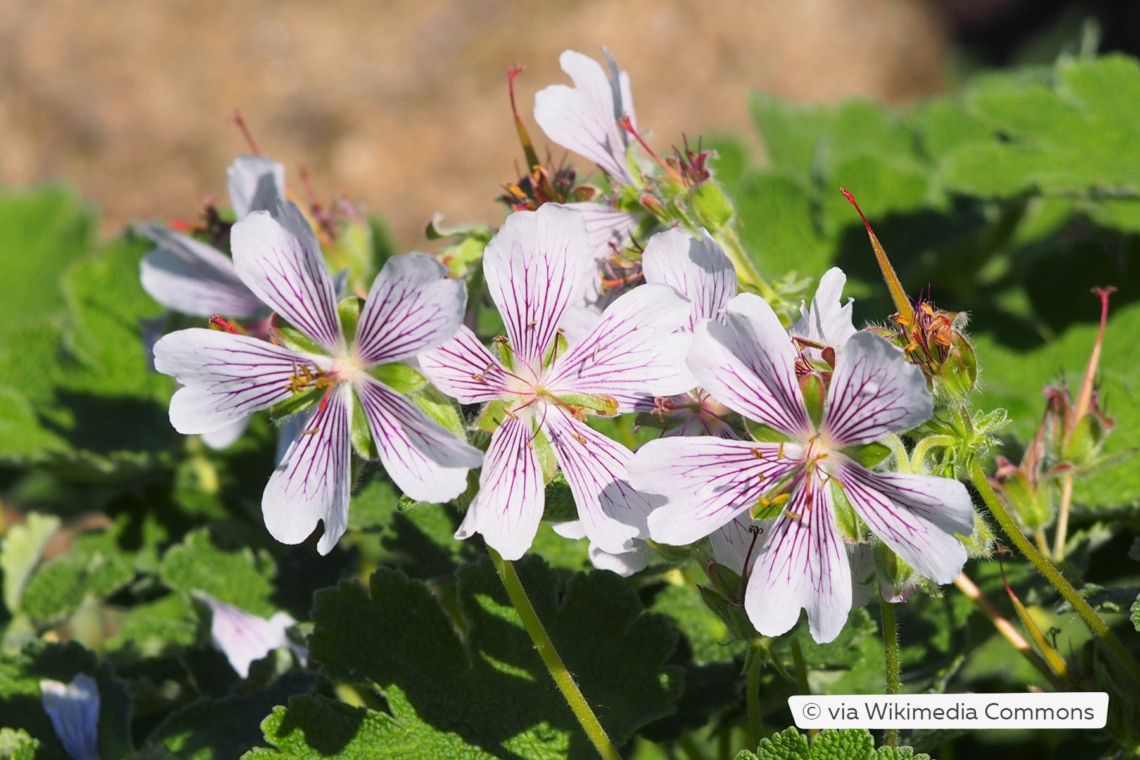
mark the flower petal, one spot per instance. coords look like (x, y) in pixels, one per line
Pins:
(632, 353)
(699, 270)
(422, 457)
(73, 709)
(584, 118)
(624, 564)
(193, 278)
(283, 265)
(509, 505)
(532, 267)
(874, 391)
(242, 636)
(312, 481)
(226, 377)
(224, 437)
(708, 481)
(801, 563)
(611, 511)
(917, 516)
(828, 321)
(464, 369)
(255, 184)
(412, 307)
(748, 364)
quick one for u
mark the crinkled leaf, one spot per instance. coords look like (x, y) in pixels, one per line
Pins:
(17, 744)
(241, 578)
(20, 553)
(95, 566)
(492, 693)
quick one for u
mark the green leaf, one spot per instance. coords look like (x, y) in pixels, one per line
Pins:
(41, 232)
(492, 694)
(242, 578)
(16, 744)
(21, 552)
(846, 744)
(788, 744)
(315, 727)
(95, 566)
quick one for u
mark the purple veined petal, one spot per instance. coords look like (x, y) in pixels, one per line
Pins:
(289, 274)
(584, 118)
(632, 352)
(73, 709)
(313, 479)
(734, 543)
(917, 516)
(862, 573)
(508, 507)
(412, 307)
(699, 270)
(801, 563)
(255, 184)
(708, 481)
(464, 369)
(874, 391)
(226, 377)
(611, 511)
(227, 436)
(193, 278)
(748, 364)
(608, 229)
(424, 459)
(242, 636)
(828, 320)
(532, 267)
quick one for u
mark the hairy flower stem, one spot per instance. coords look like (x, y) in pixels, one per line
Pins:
(1002, 624)
(745, 271)
(1094, 621)
(753, 663)
(1063, 516)
(891, 649)
(550, 657)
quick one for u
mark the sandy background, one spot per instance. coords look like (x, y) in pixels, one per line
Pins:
(402, 105)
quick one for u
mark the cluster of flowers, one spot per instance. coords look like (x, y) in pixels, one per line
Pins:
(773, 436)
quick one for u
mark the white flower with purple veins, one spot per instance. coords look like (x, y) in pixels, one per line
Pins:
(74, 712)
(411, 307)
(584, 118)
(539, 389)
(809, 489)
(244, 637)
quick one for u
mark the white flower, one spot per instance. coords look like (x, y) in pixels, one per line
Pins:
(74, 712)
(244, 637)
(410, 308)
(804, 485)
(540, 389)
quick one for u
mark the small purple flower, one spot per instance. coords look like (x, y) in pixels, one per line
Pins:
(539, 389)
(809, 490)
(74, 712)
(244, 637)
(584, 118)
(411, 307)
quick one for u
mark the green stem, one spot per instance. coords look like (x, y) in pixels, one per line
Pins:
(801, 666)
(745, 271)
(1063, 516)
(550, 657)
(891, 648)
(1083, 608)
(753, 663)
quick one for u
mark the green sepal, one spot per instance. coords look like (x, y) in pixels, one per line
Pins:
(762, 433)
(959, 373)
(815, 393)
(360, 432)
(869, 454)
(442, 409)
(298, 402)
(1086, 439)
(732, 613)
(711, 206)
(761, 511)
(725, 581)
(891, 570)
(603, 406)
(399, 377)
(492, 416)
(504, 353)
(1032, 504)
(845, 517)
(463, 256)
(558, 347)
(349, 311)
(294, 340)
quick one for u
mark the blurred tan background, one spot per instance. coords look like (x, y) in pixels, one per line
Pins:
(402, 105)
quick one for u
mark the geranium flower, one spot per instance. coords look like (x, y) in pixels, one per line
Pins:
(74, 712)
(810, 488)
(410, 308)
(540, 389)
(244, 637)
(584, 118)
